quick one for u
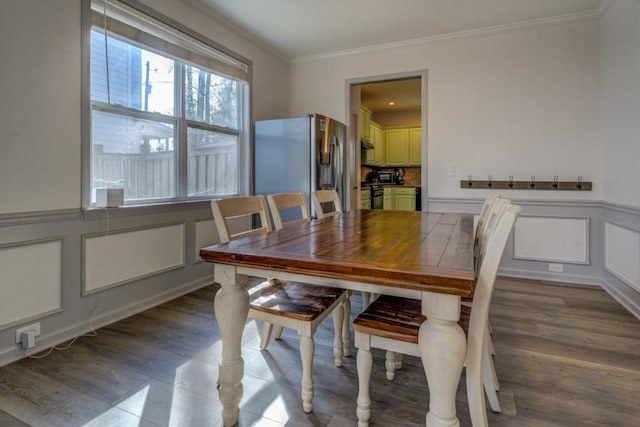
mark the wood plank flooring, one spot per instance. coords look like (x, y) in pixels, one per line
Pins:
(565, 356)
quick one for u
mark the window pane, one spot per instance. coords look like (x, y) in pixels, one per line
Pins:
(134, 154)
(210, 98)
(138, 78)
(213, 163)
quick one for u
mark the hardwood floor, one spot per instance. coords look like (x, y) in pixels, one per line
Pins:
(565, 356)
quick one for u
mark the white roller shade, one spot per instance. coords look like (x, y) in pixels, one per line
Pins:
(125, 21)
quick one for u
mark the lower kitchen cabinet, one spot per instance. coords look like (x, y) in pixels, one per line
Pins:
(387, 200)
(399, 199)
(365, 199)
(405, 199)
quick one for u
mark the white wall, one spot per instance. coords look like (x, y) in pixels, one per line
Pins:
(40, 96)
(76, 253)
(621, 102)
(39, 105)
(518, 103)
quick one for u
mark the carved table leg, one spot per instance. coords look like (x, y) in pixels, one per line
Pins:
(231, 307)
(442, 345)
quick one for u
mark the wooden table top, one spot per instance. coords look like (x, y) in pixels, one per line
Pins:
(415, 250)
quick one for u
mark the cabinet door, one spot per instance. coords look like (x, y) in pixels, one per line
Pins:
(387, 201)
(405, 199)
(404, 202)
(415, 146)
(379, 153)
(365, 202)
(397, 147)
(372, 155)
(365, 123)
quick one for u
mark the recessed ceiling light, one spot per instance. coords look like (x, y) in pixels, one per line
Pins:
(392, 103)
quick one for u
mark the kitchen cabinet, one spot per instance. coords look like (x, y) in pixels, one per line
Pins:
(415, 146)
(365, 199)
(405, 199)
(397, 147)
(376, 156)
(404, 146)
(387, 200)
(365, 124)
(394, 147)
(399, 198)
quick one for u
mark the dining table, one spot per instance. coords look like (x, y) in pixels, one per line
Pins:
(428, 256)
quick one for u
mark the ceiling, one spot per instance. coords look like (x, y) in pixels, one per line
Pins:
(304, 28)
(299, 29)
(405, 95)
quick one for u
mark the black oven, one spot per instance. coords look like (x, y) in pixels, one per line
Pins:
(377, 197)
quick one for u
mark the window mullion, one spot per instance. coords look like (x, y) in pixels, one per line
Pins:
(182, 146)
(212, 128)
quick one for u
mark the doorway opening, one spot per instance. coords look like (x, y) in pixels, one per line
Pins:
(391, 129)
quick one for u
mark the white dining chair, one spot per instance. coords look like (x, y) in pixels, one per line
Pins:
(482, 227)
(326, 203)
(393, 324)
(294, 206)
(298, 306)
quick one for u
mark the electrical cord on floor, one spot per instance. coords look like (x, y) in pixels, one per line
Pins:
(92, 332)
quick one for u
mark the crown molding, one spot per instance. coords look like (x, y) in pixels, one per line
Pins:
(605, 5)
(479, 32)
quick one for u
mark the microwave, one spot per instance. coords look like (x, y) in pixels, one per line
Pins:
(386, 177)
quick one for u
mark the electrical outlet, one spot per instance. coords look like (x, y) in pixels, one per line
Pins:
(35, 327)
(555, 267)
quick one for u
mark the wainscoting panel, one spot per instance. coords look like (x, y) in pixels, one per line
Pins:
(32, 280)
(114, 259)
(563, 240)
(206, 234)
(622, 254)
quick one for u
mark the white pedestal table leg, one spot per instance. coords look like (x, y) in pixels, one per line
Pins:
(442, 345)
(231, 307)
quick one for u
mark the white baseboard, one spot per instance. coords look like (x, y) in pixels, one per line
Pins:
(624, 298)
(550, 277)
(47, 341)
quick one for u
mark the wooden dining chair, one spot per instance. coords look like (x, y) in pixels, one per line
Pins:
(298, 306)
(294, 207)
(393, 324)
(326, 203)
(490, 212)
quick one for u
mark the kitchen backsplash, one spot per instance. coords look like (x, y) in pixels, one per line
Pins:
(412, 176)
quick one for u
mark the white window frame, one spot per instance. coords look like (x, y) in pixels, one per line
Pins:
(179, 118)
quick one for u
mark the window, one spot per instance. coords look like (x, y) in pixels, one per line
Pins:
(167, 111)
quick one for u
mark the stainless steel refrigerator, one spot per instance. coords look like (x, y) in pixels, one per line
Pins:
(300, 154)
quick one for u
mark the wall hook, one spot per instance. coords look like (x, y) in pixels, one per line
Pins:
(490, 183)
(470, 183)
(579, 184)
(555, 182)
(510, 181)
(532, 184)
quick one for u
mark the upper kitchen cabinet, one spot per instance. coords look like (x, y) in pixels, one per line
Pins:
(415, 146)
(397, 147)
(365, 124)
(376, 156)
(404, 146)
